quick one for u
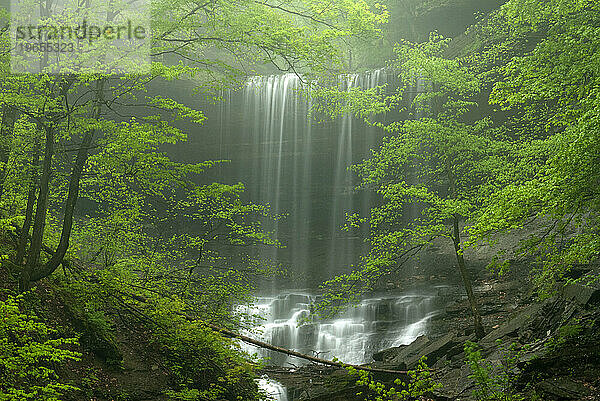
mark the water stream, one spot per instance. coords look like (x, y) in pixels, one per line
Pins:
(300, 168)
(353, 337)
(275, 391)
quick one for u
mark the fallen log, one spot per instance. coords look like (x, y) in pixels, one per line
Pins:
(261, 344)
(286, 351)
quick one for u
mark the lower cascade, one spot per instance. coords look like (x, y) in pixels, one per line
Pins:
(275, 391)
(352, 337)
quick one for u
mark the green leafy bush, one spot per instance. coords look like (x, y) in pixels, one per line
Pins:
(494, 381)
(421, 383)
(30, 351)
(202, 365)
(85, 315)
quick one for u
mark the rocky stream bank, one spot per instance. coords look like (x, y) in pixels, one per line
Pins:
(556, 349)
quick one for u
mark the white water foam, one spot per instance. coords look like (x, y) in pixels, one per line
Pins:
(353, 337)
(274, 390)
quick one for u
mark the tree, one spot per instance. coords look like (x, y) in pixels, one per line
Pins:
(553, 108)
(148, 242)
(74, 111)
(437, 161)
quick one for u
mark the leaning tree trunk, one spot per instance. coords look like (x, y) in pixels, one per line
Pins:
(464, 273)
(39, 222)
(24, 235)
(479, 331)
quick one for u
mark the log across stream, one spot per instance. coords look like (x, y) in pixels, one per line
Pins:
(378, 322)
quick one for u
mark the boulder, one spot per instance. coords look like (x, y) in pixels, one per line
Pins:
(398, 359)
(434, 350)
(408, 356)
(387, 354)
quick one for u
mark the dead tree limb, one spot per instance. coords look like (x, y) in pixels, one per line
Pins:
(261, 344)
(286, 351)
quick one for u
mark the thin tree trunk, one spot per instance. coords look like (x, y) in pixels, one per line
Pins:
(464, 273)
(479, 331)
(40, 213)
(24, 235)
(9, 117)
(72, 195)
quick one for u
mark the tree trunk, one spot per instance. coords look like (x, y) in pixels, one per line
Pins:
(258, 343)
(464, 273)
(296, 354)
(24, 236)
(9, 117)
(40, 213)
(72, 196)
(479, 331)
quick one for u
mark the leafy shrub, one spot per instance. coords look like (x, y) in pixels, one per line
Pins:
(494, 381)
(29, 354)
(420, 384)
(202, 365)
(86, 316)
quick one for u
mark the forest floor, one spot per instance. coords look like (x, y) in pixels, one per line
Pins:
(117, 363)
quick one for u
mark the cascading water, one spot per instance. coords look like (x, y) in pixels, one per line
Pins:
(353, 337)
(300, 169)
(275, 391)
(282, 149)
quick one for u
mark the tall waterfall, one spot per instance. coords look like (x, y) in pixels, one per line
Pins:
(300, 168)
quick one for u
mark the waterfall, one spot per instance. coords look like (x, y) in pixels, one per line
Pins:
(353, 337)
(341, 249)
(300, 169)
(274, 391)
(279, 134)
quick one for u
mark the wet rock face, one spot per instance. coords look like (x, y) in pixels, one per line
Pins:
(513, 326)
(383, 311)
(564, 388)
(306, 335)
(581, 294)
(558, 341)
(388, 354)
(407, 357)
